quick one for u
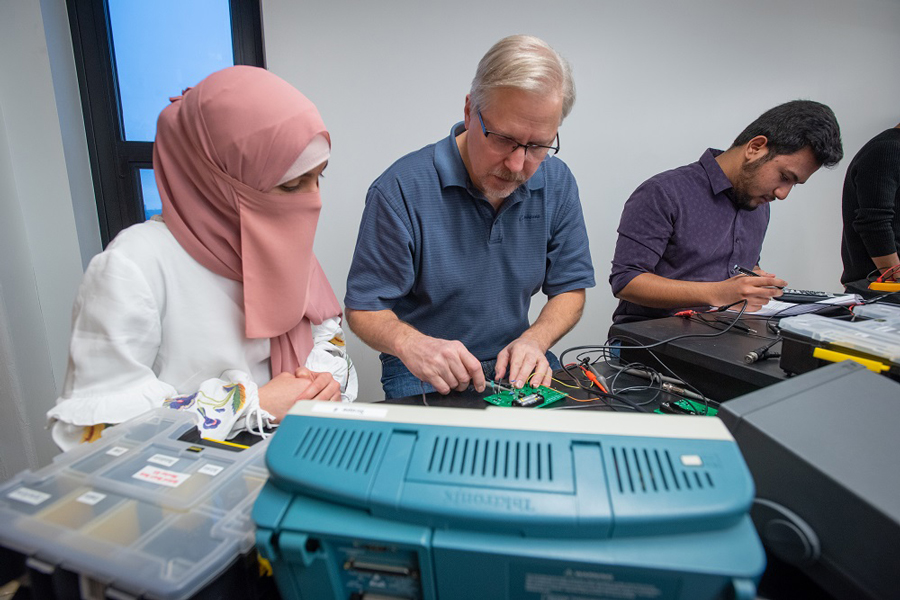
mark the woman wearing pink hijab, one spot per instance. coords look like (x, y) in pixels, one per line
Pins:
(219, 307)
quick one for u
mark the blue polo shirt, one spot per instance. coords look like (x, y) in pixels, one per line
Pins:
(432, 249)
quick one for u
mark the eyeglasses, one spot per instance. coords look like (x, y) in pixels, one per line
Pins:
(506, 145)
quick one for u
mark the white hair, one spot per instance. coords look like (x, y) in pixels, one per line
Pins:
(526, 63)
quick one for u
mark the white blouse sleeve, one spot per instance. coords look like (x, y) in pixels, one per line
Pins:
(226, 406)
(116, 333)
(329, 355)
(116, 336)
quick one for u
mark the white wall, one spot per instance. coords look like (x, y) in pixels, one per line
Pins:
(658, 82)
(41, 248)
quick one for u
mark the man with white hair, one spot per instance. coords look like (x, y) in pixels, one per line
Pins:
(457, 237)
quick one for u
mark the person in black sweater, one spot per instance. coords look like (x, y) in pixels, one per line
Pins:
(871, 209)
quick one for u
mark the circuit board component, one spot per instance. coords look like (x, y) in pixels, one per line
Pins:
(533, 397)
(687, 407)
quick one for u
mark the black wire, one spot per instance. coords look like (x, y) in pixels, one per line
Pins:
(870, 278)
(699, 335)
(627, 366)
(596, 348)
(879, 298)
(686, 385)
(654, 373)
(602, 395)
(605, 348)
(575, 379)
(876, 273)
(763, 352)
(775, 329)
(655, 376)
(716, 321)
(644, 388)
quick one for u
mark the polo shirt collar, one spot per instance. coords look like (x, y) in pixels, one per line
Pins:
(451, 169)
(718, 182)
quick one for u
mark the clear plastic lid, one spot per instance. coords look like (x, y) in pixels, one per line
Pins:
(878, 336)
(878, 311)
(139, 509)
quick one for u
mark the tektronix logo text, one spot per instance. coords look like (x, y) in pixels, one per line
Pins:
(490, 500)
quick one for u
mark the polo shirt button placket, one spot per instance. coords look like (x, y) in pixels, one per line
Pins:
(496, 232)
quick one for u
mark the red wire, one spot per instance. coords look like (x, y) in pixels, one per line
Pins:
(889, 273)
(594, 380)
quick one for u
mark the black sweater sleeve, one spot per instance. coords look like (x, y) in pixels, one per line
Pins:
(877, 182)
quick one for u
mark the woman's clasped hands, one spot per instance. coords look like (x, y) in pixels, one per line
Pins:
(284, 390)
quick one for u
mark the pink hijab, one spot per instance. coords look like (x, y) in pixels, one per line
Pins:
(219, 149)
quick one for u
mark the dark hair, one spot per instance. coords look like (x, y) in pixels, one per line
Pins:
(794, 125)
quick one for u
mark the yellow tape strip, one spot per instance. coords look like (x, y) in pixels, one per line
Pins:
(832, 356)
(226, 443)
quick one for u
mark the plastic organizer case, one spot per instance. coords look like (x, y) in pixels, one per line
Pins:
(136, 514)
(876, 337)
(878, 334)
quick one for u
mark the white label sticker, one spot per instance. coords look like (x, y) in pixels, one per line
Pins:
(117, 451)
(91, 498)
(28, 496)
(211, 470)
(162, 459)
(691, 460)
(161, 476)
(344, 409)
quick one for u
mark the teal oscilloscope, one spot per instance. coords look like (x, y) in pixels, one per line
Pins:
(387, 501)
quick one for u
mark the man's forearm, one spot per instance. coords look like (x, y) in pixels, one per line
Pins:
(886, 262)
(380, 329)
(445, 364)
(557, 318)
(654, 291)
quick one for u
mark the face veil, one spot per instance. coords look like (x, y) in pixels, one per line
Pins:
(220, 149)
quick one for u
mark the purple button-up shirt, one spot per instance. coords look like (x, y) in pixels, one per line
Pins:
(682, 224)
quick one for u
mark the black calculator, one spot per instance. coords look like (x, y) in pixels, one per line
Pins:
(804, 296)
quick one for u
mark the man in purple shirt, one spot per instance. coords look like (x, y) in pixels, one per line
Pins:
(684, 231)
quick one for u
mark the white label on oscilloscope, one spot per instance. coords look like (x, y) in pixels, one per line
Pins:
(358, 411)
(28, 496)
(691, 460)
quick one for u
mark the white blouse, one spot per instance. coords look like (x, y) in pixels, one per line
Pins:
(150, 323)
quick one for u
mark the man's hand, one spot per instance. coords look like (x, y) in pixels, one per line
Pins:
(284, 390)
(528, 353)
(445, 364)
(524, 356)
(757, 291)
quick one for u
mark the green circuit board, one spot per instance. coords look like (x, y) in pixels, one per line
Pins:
(533, 397)
(692, 407)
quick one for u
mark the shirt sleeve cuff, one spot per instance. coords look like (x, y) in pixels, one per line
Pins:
(84, 410)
